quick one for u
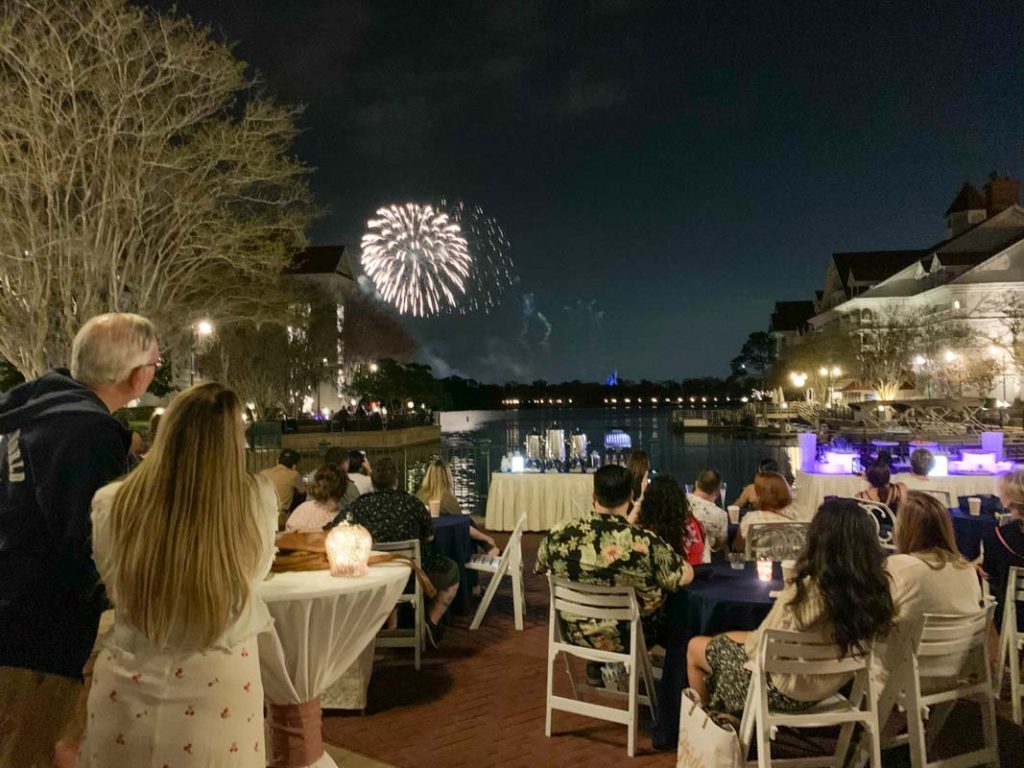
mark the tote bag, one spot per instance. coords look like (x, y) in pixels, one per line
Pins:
(703, 742)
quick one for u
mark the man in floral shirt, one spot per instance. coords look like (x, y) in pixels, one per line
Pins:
(605, 549)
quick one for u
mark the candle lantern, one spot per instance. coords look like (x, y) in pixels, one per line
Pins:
(348, 549)
(764, 570)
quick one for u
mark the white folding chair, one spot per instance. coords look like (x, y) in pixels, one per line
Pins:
(947, 660)
(884, 520)
(778, 541)
(804, 653)
(1011, 641)
(405, 638)
(509, 564)
(590, 601)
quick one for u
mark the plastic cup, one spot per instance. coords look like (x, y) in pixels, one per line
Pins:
(736, 560)
(734, 514)
(788, 570)
(974, 505)
(435, 508)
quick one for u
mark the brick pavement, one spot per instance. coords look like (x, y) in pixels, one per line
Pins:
(479, 701)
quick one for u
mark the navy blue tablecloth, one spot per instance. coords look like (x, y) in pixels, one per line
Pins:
(969, 530)
(451, 537)
(726, 600)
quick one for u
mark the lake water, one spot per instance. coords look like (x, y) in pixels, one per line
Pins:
(475, 441)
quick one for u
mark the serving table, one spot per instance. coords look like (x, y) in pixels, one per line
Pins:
(547, 498)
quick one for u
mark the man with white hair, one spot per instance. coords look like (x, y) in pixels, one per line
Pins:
(59, 445)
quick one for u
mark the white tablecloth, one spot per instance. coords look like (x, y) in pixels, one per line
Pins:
(811, 489)
(321, 626)
(547, 498)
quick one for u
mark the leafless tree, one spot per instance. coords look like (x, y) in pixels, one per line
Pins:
(140, 169)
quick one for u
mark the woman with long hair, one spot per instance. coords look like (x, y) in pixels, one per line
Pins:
(882, 489)
(330, 492)
(775, 505)
(438, 485)
(1004, 545)
(181, 544)
(666, 513)
(840, 591)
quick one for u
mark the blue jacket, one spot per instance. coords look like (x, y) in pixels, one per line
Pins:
(59, 445)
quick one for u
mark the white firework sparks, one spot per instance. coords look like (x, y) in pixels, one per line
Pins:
(493, 271)
(417, 258)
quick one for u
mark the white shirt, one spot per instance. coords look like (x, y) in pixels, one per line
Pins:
(361, 481)
(918, 587)
(253, 619)
(715, 520)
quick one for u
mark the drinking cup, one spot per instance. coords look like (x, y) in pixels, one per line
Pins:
(734, 514)
(736, 560)
(974, 505)
(788, 570)
(435, 508)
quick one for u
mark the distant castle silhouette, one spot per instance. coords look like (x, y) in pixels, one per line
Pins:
(613, 378)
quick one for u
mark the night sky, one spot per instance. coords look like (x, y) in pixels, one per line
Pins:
(665, 171)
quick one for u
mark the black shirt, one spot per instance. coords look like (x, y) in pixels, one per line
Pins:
(393, 515)
(999, 559)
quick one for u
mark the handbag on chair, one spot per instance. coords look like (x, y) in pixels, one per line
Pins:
(706, 740)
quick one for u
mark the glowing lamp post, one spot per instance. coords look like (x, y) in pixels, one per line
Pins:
(348, 549)
(202, 329)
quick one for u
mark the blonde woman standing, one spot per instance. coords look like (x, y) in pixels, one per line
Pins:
(438, 485)
(181, 544)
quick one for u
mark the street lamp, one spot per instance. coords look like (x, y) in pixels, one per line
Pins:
(201, 328)
(374, 367)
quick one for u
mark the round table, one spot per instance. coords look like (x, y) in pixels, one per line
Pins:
(322, 624)
(547, 498)
(719, 599)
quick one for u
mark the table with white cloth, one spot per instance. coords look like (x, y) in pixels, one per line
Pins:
(322, 625)
(547, 498)
(811, 488)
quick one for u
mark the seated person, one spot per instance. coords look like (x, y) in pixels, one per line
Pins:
(393, 515)
(605, 549)
(287, 481)
(329, 493)
(1004, 546)
(921, 463)
(359, 471)
(703, 505)
(666, 513)
(840, 591)
(438, 485)
(748, 498)
(927, 575)
(775, 506)
(639, 467)
(881, 489)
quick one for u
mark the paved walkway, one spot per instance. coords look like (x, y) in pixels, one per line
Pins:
(479, 701)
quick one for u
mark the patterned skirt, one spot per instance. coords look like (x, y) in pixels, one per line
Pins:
(729, 680)
(176, 710)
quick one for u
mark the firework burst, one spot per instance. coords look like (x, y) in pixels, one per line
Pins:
(493, 271)
(417, 258)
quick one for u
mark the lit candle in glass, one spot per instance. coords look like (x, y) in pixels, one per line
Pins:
(348, 549)
(764, 570)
